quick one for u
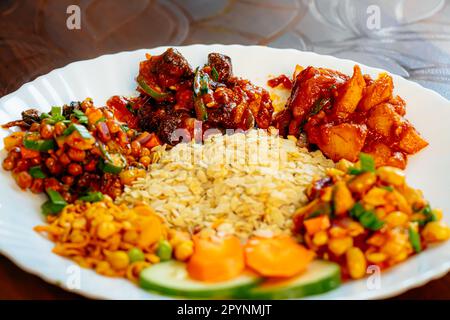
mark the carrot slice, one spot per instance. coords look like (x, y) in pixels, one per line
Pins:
(216, 259)
(277, 257)
(317, 224)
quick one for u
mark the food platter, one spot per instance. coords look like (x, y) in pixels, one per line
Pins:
(113, 74)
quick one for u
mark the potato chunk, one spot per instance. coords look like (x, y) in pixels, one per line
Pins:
(379, 91)
(343, 141)
(410, 141)
(350, 94)
(382, 118)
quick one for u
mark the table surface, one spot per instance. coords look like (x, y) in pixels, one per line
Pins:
(410, 38)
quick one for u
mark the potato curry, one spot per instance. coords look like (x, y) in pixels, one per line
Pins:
(344, 116)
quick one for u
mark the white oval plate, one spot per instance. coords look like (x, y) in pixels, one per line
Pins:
(114, 74)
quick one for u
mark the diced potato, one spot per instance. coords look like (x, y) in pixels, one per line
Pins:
(350, 94)
(411, 142)
(343, 141)
(399, 105)
(383, 118)
(384, 156)
(379, 91)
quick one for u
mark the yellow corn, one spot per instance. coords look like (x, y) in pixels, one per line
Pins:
(320, 238)
(106, 229)
(376, 257)
(436, 231)
(333, 172)
(356, 262)
(184, 250)
(396, 219)
(344, 165)
(375, 197)
(340, 245)
(355, 228)
(391, 175)
(118, 259)
(376, 240)
(153, 258)
(336, 232)
(362, 182)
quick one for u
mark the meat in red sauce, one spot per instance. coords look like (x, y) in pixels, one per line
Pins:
(173, 96)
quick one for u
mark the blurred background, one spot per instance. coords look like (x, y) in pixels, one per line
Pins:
(407, 37)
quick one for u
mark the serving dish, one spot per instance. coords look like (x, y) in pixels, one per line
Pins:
(101, 77)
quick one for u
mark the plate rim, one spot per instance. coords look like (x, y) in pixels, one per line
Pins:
(432, 274)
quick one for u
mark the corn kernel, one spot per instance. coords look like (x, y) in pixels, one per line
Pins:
(118, 259)
(153, 258)
(436, 231)
(337, 232)
(344, 165)
(355, 228)
(376, 257)
(391, 175)
(184, 250)
(130, 236)
(356, 262)
(362, 182)
(375, 197)
(396, 219)
(339, 246)
(320, 238)
(376, 240)
(106, 229)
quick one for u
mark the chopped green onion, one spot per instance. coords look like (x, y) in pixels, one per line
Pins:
(124, 127)
(200, 109)
(44, 115)
(102, 119)
(414, 238)
(38, 145)
(56, 111)
(318, 106)
(84, 133)
(92, 197)
(56, 197)
(36, 172)
(150, 91)
(55, 204)
(113, 163)
(49, 208)
(82, 118)
(215, 74)
(388, 188)
(357, 210)
(367, 164)
(321, 209)
(368, 219)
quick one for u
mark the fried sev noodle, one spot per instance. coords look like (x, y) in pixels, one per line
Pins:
(98, 236)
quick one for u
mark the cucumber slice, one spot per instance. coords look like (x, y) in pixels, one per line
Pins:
(321, 276)
(171, 278)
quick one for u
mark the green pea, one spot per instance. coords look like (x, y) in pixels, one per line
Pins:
(164, 251)
(136, 254)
